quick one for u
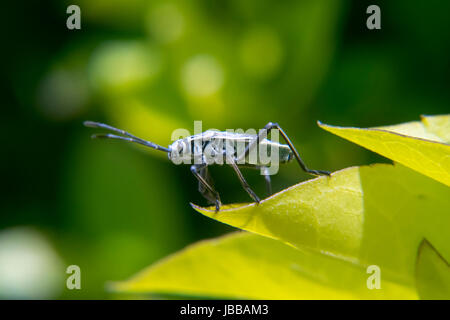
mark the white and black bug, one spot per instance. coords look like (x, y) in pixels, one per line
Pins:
(218, 147)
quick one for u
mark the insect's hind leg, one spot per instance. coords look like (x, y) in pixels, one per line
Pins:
(296, 154)
(263, 134)
(244, 182)
(268, 180)
(196, 169)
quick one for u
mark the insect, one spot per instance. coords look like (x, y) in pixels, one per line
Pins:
(221, 146)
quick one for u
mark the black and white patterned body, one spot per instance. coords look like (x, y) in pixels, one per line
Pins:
(216, 147)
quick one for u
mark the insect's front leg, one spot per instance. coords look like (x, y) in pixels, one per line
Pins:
(208, 189)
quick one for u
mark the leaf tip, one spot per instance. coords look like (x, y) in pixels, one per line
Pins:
(194, 206)
(321, 124)
(325, 126)
(202, 210)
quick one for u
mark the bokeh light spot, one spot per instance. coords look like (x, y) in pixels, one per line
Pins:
(202, 76)
(123, 65)
(29, 267)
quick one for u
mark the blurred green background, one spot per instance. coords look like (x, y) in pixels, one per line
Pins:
(150, 67)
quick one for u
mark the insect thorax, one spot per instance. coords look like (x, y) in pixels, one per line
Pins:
(218, 147)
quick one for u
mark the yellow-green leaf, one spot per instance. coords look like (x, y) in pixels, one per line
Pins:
(421, 146)
(336, 227)
(371, 215)
(247, 266)
(432, 273)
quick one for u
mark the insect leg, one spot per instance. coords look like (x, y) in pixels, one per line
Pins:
(268, 181)
(263, 134)
(296, 154)
(244, 183)
(195, 169)
(204, 173)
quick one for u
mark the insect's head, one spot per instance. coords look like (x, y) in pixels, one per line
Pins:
(176, 150)
(179, 151)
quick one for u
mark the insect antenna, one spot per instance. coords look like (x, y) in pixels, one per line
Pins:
(128, 136)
